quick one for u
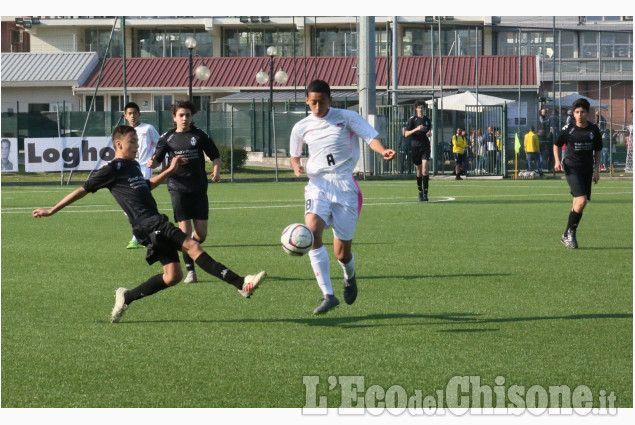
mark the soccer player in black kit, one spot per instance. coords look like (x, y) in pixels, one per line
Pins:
(418, 131)
(188, 185)
(163, 240)
(581, 164)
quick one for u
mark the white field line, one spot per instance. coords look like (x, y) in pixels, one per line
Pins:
(97, 208)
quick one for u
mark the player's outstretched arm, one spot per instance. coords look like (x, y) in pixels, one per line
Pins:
(68, 199)
(174, 165)
(378, 147)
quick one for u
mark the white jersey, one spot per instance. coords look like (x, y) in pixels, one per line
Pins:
(148, 139)
(333, 148)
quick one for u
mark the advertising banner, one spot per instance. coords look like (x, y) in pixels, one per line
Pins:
(67, 153)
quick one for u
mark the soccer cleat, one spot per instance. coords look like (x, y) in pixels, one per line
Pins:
(328, 302)
(458, 177)
(350, 290)
(251, 283)
(133, 244)
(120, 305)
(568, 239)
(191, 277)
(425, 198)
(421, 195)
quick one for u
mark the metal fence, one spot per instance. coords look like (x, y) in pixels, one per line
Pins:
(247, 126)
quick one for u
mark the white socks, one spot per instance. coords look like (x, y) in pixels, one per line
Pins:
(321, 267)
(349, 268)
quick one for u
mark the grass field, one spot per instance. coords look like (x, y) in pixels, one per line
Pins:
(474, 283)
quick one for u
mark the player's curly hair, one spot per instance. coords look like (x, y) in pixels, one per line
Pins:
(183, 104)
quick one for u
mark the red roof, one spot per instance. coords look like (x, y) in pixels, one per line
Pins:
(339, 72)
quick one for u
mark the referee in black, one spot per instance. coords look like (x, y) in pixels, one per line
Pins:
(418, 131)
(188, 185)
(163, 240)
(581, 164)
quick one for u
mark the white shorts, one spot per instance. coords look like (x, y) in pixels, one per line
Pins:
(337, 200)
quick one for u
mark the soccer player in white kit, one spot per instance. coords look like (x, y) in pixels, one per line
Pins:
(333, 197)
(148, 139)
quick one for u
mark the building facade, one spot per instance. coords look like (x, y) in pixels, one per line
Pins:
(589, 55)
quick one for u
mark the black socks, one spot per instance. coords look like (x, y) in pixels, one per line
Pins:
(147, 288)
(426, 178)
(419, 184)
(189, 263)
(574, 220)
(218, 270)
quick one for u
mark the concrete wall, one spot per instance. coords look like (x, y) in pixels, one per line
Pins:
(25, 95)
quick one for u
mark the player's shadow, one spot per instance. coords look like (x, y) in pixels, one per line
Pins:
(605, 248)
(434, 319)
(403, 319)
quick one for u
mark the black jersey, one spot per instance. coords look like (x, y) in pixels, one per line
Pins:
(191, 176)
(581, 143)
(125, 181)
(419, 138)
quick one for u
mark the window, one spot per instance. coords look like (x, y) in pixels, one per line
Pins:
(97, 40)
(157, 43)
(539, 43)
(36, 108)
(612, 44)
(335, 41)
(254, 43)
(98, 105)
(383, 39)
(116, 103)
(162, 103)
(455, 41)
(201, 102)
(603, 18)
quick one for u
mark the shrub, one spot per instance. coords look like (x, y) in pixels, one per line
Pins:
(240, 157)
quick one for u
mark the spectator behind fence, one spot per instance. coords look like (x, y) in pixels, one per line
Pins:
(458, 148)
(532, 150)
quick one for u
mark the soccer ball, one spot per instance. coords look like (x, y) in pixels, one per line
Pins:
(296, 239)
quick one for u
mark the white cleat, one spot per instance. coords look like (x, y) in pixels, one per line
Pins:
(120, 305)
(190, 278)
(251, 283)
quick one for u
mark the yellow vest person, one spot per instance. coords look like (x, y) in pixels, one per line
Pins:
(458, 143)
(532, 144)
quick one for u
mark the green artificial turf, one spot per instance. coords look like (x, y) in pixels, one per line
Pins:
(474, 283)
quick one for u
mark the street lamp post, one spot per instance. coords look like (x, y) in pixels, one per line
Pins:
(263, 78)
(202, 71)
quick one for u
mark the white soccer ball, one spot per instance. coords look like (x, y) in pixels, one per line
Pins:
(296, 239)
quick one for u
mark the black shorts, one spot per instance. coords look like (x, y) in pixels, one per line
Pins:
(580, 181)
(162, 239)
(420, 152)
(459, 158)
(190, 206)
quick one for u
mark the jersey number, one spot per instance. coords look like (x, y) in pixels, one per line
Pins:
(330, 160)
